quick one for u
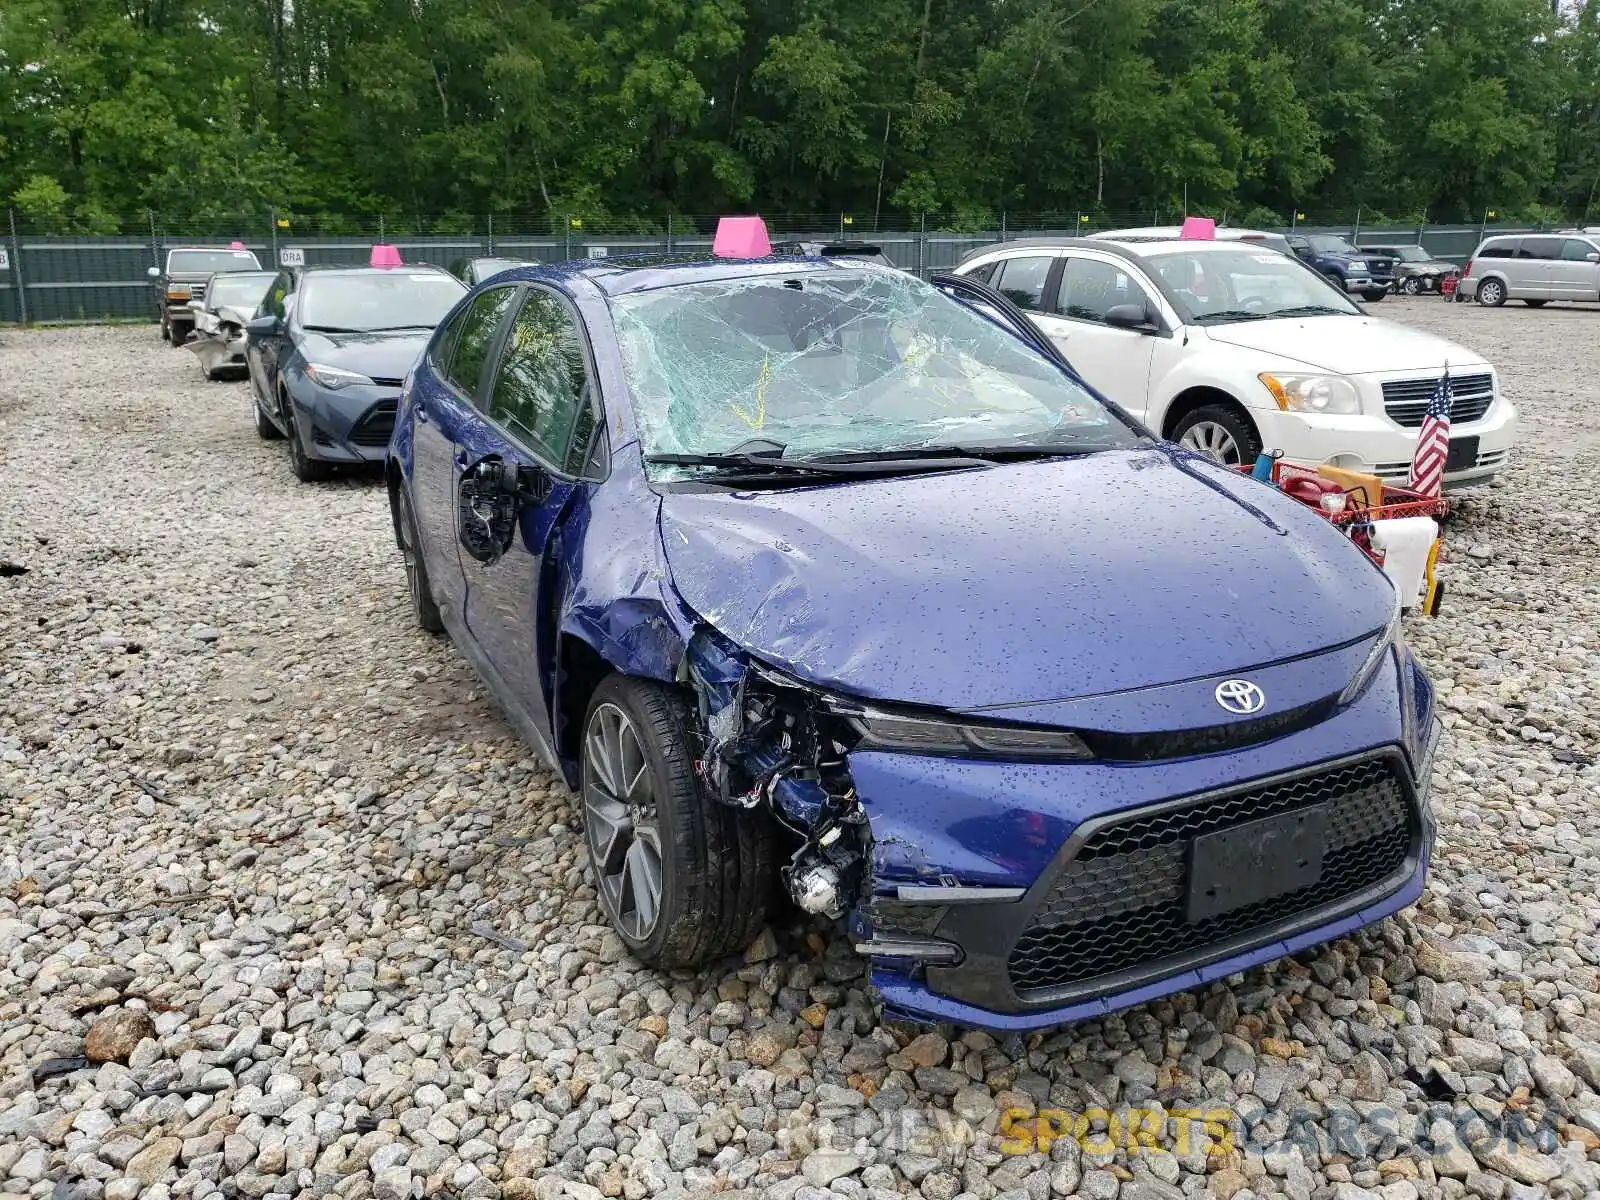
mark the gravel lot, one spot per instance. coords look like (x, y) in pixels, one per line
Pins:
(269, 853)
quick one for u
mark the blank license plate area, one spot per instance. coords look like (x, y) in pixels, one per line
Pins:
(1249, 863)
(1463, 454)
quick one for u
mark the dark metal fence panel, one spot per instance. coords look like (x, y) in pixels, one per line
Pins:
(50, 277)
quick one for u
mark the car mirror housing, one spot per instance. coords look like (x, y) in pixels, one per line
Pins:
(1130, 316)
(153, 272)
(265, 326)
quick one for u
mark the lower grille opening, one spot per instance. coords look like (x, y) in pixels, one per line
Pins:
(375, 425)
(1122, 902)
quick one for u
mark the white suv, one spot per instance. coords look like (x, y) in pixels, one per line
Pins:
(1229, 349)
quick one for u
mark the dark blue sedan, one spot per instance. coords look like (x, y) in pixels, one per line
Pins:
(809, 571)
(329, 351)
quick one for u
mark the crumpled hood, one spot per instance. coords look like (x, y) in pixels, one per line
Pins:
(377, 355)
(1346, 345)
(1028, 582)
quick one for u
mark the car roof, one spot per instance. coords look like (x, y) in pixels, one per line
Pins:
(346, 269)
(625, 274)
(1132, 250)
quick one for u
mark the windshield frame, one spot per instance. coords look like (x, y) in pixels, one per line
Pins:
(1077, 406)
(1189, 316)
(305, 291)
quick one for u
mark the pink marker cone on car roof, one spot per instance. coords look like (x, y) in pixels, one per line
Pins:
(741, 237)
(385, 256)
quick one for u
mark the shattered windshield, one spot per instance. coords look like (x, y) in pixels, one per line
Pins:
(844, 362)
(1226, 285)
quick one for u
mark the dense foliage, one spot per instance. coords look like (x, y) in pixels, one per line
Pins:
(626, 110)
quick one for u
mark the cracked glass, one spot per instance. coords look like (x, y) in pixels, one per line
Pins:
(846, 361)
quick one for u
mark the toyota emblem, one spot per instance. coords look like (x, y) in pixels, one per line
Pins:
(1240, 696)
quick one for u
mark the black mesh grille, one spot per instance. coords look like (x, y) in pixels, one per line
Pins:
(375, 425)
(1406, 400)
(1121, 902)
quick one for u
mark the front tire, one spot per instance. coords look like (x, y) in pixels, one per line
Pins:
(682, 878)
(423, 608)
(1220, 432)
(180, 331)
(1491, 293)
(264, 426)
(1412, 286)
(306, 469)
(1375, 294)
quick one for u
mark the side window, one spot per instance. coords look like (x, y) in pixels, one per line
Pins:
(984, 273)
(541, 389)
(1499, 250)
(273, 304)
(1540, 247)
(479, 324)
(1092, 287)
(1575, 251)
(1022, 280)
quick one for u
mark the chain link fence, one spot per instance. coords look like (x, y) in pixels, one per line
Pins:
(49, 275)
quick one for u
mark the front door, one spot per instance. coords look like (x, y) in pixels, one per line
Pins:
(445, 412)
(540, 418)
(1116, 362)
(262, 352)
(1573, 276)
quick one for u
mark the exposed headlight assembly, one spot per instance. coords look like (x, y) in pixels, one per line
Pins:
(1387, 640)
(1312, 393)
(927, 735)
(334, 378)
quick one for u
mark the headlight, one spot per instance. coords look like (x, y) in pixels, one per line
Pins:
(1312, 393)
(179, 291)
(1387, 640)
(1358, 264)
(922, 735)
(334, 378)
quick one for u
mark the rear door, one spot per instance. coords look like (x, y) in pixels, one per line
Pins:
(444, 411)
(541, 416)
(1029, 281)
(1533, 270)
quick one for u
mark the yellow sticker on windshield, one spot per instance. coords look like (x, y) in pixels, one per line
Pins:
(759, 420)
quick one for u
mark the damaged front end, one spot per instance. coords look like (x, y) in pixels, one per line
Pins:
(218, 340)
(773, 741)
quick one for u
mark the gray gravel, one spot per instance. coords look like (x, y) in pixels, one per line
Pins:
(338, 929)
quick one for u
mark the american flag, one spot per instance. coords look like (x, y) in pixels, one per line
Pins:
(1433, 442)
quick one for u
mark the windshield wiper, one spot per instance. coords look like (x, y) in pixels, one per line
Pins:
(971, 453)
(1231, 314)
(329, 329)
(1312, 310)
(771, 464)
(395, 328)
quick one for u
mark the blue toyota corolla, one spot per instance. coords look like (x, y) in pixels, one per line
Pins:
(808, 572)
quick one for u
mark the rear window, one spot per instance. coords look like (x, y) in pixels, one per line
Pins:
(1498, 250)
(1540, 247)
(208, 262)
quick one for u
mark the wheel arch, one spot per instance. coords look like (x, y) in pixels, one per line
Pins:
(1199, 396)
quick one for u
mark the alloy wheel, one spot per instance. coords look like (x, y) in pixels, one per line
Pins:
(1212, 440)
(1412, 285)
(619, 814)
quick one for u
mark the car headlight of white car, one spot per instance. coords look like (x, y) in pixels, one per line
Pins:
(334, 378)
(1312, 393)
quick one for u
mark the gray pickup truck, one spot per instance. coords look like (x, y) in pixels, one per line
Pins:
(184, 279)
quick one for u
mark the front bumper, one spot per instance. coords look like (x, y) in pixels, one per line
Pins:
(1100, 926)
(1376, 445)
(344, 425)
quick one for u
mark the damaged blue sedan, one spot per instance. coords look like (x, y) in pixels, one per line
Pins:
(828, 586)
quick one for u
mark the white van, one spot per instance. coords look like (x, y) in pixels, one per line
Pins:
(1534, 268)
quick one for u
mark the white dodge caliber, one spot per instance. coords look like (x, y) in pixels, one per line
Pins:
(1230, 348)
